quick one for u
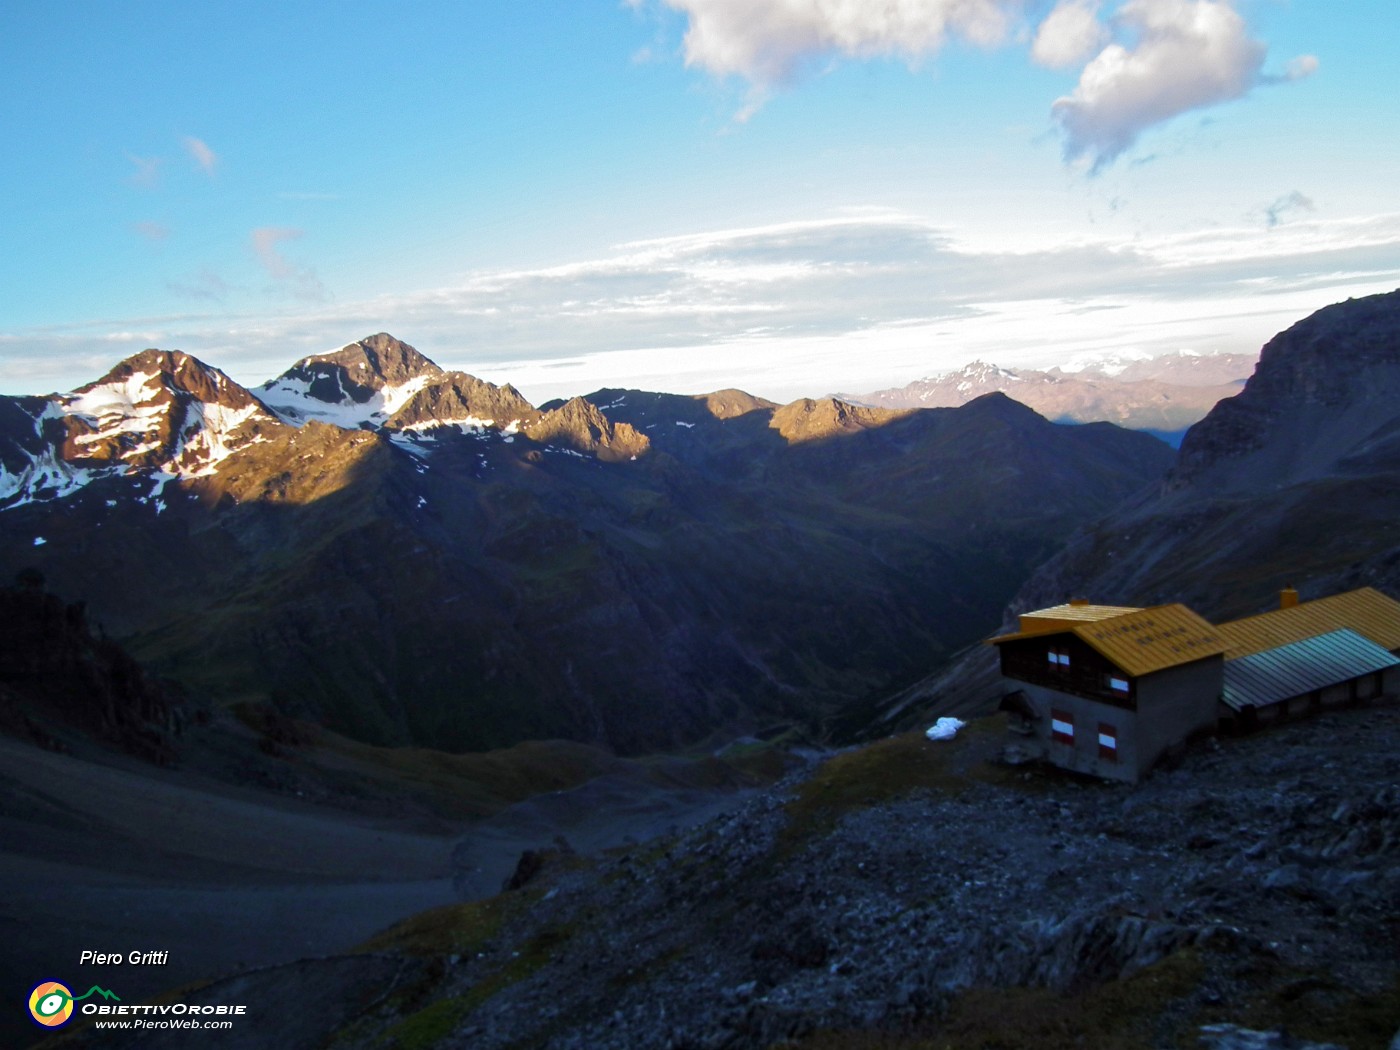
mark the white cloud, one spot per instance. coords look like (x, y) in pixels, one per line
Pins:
(300, 281)
(202, 155)
(1069, 35)
(767, 42)
(1300, 67)
(1188, 54)
(1156, 59)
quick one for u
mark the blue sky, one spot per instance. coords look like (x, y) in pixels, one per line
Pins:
(793, 197)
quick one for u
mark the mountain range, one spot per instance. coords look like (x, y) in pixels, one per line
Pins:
(411, 555)
(1162, 395)
(1295, 482)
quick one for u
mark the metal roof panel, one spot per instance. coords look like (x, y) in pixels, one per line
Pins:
(1274, 675)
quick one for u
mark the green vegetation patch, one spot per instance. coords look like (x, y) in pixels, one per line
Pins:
(893, 768)
(453, 929)
(1317, 1007)
(480, 783)
(428, 1026)
(1135, 1013)
(435, 1022)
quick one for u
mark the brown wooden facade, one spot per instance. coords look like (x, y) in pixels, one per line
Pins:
(1087, 674)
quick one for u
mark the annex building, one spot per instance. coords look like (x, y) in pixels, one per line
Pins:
(1107, 690)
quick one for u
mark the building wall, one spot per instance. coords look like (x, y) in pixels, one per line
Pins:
(1170, 706)
(1087, 717)
(1175, 703)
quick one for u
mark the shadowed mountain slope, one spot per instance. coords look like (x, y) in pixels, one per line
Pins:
(413, 556)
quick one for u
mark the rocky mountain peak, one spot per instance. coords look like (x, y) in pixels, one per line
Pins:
(162, 410)
(375, 362)
(812, 420)
(580, 425)
(361, 383)
(983, 372)
(158, 410)
(452, 398)
(1318, 393)
(729, 403)
(178, 373)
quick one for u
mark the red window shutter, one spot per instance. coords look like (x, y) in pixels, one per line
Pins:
(1061, 726)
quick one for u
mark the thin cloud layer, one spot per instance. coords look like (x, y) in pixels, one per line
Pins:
(854, 302)
(204, 157)
(151, 231)
(147, 173)
(301, 282)
(1285, 206)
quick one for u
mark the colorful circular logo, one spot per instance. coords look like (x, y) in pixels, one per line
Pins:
(50, 1004)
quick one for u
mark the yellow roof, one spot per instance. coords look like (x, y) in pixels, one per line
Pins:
(1061, 617)
(1141, 641)
(1366, 611)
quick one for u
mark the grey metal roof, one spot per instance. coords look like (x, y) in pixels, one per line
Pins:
(1273, 675)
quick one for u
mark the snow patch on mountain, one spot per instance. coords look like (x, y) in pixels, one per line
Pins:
(46, 477)
(291, 399)
(1111, 364)
(472, 425)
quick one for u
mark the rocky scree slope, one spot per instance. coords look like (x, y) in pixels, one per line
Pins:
(411, 555)
(59, 680)
(916, 894)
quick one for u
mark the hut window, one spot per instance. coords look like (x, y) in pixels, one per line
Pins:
(1058, 658)
(1062, 726)
(1108, 742)
(1118, 685)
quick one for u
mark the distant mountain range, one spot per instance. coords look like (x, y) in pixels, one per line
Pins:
(1163, 395)
(412, 555)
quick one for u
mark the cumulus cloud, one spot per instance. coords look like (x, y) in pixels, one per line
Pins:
(1188, 54)
(1147, 60)
(203, 156)
(301, 282)
(1069, 35)
(767, 42)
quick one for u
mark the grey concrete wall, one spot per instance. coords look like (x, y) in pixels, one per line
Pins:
(1083, 756)
(1175, 703)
